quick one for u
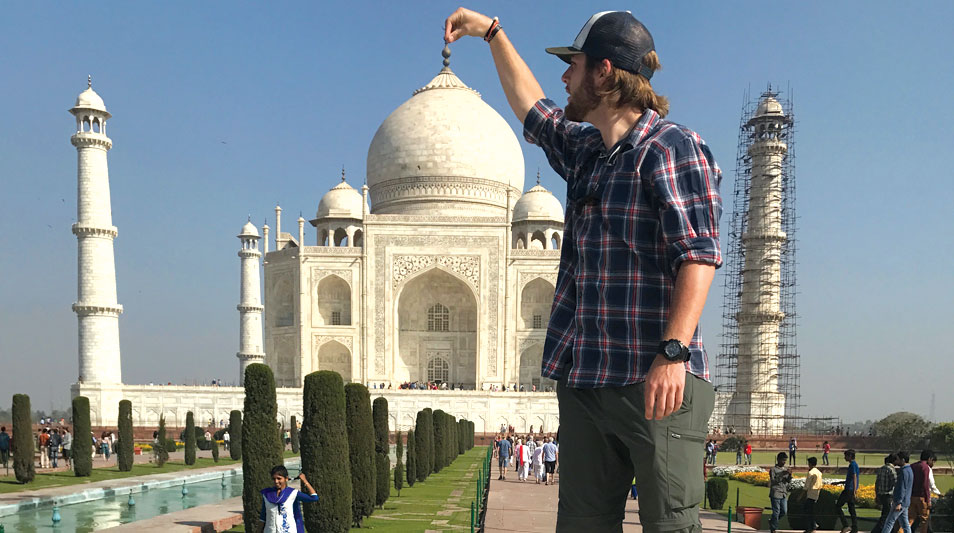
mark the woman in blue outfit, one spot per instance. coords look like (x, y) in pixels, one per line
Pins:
(281, 504)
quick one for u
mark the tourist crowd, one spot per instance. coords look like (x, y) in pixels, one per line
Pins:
(532, 455)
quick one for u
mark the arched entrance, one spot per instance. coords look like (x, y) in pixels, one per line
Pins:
(531, 359)
(536, 299)
(437, 331)
(334, 356)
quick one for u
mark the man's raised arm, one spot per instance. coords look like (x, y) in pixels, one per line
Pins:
(518, 82)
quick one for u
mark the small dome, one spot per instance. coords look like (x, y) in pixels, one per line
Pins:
(342, 201)
(769, 106)
(538, 204)
(249, 230)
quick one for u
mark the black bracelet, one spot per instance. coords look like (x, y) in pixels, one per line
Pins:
(494, 33)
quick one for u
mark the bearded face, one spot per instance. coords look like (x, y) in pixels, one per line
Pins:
(582, 99)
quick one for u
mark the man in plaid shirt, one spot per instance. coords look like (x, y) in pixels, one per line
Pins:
(641, 245)
(884, 486)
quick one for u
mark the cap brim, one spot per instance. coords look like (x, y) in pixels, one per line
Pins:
(564, 52)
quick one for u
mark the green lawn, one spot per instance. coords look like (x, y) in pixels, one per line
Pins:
(59, 479)
(417, 507)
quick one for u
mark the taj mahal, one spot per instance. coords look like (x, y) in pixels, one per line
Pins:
(440, 268)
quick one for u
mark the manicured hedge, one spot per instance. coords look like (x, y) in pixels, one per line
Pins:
(23, 438)
(82, 449)
(382, 462)
(361, 450)
(399, 467)
(235, 435)
(161, 449)
(124, 448)
(295, 443)
(324, 453)
(411, 458)
(188, 436)
(422, 436)
(440, 441)
(717, 489)
(263, 449)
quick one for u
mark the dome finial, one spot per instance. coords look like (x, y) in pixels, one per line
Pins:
(89, 81)
(342, 174)
(538, 175)
(446, 53)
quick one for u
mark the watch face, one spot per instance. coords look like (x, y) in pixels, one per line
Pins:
(672, 350)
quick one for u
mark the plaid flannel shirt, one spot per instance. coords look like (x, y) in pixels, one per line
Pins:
(886, 479)
(634, 213)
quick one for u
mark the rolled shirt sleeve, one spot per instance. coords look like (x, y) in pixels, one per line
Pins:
(561, 139)
(686, 184)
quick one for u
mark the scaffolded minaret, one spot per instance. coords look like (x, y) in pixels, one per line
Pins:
(759, 312)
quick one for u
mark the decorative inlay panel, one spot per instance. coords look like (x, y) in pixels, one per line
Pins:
(467, 266)
(321, 339)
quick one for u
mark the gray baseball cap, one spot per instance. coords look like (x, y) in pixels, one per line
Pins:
(613, 35)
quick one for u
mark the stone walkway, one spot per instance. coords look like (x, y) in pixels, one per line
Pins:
(526, 507)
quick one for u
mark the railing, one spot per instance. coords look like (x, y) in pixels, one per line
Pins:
(478, 507)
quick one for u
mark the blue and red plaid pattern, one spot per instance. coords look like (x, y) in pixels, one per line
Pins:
(634, 214)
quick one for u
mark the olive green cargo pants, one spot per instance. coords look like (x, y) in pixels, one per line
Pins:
(605, 439)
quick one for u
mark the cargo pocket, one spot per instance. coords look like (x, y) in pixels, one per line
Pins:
(684, 455)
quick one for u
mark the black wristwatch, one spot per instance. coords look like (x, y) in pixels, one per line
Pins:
(674, 350)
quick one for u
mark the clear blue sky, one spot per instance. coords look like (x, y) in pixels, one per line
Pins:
(220, 110)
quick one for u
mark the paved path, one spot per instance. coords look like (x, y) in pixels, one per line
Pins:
(526, 507)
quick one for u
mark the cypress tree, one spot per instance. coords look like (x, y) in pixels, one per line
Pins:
(382, 461)
(235, 435)
(124, 448)
(215, 450)
(429, 438)
(189, 438)
(399, 467)
(82, 449)
(361, 450)
(295, 444)
(440, 443)
(161, 451)
(461, 436)
(411, 458)
(264, 448)
(324, 453)
(23, 439)
(420, 444)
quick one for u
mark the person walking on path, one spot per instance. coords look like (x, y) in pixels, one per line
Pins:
(708, 459)
(503, 457)
(885, 481)
(641, 245)
(921, 490)
(523, 461)
(550, 455)
(847, 495)
(738, 454)
(226, 439)
(792, 447)
(779, 478)
(53, 447)
(42, 440)
(68, 448)
(748, 453)
(4, 447)
(901, 497)
(281, 504)
(813, 486)
(715, 452)
(538, 471)
(826, 448)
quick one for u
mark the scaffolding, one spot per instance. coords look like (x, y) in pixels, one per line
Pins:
(770, 365)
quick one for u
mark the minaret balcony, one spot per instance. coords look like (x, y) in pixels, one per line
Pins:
(82, 230)
(767, 317)
(82, 139)
(246, 308)
(84, 309)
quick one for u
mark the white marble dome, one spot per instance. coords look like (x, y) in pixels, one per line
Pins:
(538, 204)
(249, 230)
(342, 201)
(769, 106)
(88, 99)
(444, 152)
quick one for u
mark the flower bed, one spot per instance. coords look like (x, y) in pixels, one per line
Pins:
(753, 475)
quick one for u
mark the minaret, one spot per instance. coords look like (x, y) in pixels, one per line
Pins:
(250, 302)
(758, 399)
(96, 306)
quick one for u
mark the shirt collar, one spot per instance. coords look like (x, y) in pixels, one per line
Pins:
(647, 121)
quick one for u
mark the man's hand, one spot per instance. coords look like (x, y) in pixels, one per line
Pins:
(465, 22)
(897, 507)
(665, 384)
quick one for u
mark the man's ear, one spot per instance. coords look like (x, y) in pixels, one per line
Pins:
(606, 67)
